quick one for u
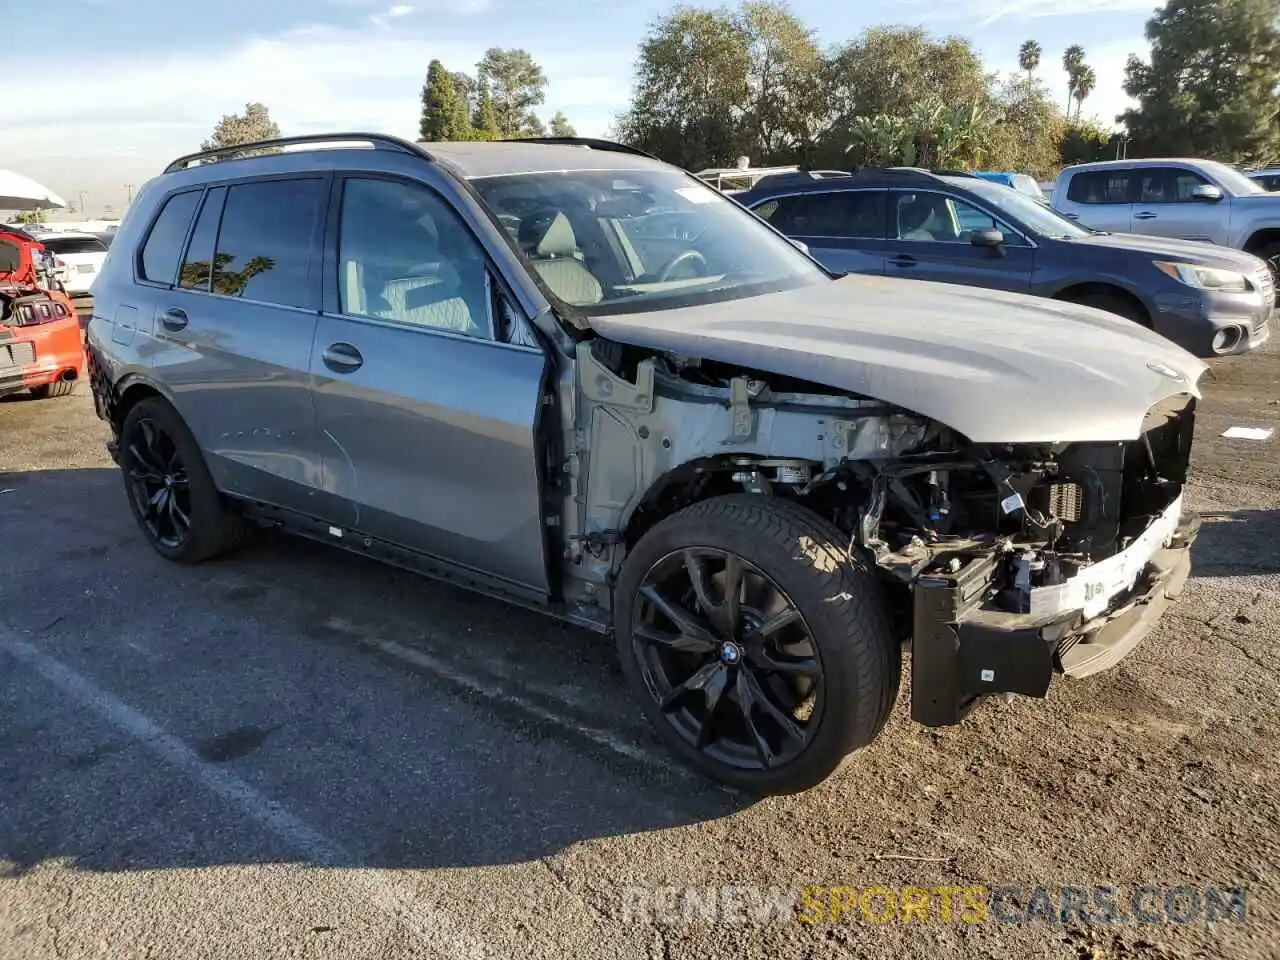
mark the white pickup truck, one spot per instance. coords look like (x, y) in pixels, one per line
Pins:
(1180, 198)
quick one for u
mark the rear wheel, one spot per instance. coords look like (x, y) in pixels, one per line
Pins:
(170, 489)
(49, 391)
(1270, 252)
(758, 647)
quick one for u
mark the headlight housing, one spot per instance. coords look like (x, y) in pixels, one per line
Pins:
(1205, 278)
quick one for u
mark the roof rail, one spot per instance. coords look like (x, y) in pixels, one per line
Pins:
(593, 142)
(379, 141)
(798, 177)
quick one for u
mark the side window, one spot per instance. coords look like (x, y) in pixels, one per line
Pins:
(163, 249)
(197, 265)
(265, 242)
(1167, 185)
(1101, 186)
(926, 216)
(853, 213)
(404, 256)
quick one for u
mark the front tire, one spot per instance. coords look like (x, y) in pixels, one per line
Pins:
(1121, 306)
(170, 489)
(759, 648)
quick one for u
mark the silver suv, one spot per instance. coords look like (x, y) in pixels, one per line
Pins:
(1183, 199)
(570, 376)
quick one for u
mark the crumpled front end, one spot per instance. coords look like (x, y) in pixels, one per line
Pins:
(1102, 548)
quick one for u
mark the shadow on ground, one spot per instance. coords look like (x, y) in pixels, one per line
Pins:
(252, 663)
(1237, 543)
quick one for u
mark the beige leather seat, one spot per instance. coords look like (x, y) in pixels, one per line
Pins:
(555, 257)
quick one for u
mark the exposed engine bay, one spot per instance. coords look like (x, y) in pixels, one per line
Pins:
(1015, 532)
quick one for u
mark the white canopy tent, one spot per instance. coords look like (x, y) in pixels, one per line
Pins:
(22, 193)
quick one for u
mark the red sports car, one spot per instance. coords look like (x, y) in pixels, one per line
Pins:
(41, 345)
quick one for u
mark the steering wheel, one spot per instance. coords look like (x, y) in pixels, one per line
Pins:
(684, 256)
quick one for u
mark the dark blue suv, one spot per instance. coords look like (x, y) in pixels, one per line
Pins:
(956, 228)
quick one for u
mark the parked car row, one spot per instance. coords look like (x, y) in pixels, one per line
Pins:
(960, 228)
(571, 376)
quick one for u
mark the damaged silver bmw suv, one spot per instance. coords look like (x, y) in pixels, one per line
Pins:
(568, 375)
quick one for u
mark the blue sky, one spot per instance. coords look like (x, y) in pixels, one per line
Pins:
(128, 84)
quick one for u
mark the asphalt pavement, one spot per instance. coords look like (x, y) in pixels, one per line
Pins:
(293, 752)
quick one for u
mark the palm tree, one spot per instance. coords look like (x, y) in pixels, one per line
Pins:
(1086, 81)
(1073, 63)
(1029, 57)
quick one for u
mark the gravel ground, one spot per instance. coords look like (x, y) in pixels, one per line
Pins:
(294, 752)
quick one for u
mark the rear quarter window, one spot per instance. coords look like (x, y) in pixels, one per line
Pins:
(162, 250)
(1101, 186)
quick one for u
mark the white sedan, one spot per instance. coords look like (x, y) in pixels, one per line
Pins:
(79, 257)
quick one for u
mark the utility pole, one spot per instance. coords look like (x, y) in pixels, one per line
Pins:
(129, 187)
(83, 194)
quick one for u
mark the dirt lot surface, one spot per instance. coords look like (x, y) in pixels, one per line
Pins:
(297, 753)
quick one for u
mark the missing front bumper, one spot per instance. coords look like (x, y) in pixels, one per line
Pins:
(961, 652)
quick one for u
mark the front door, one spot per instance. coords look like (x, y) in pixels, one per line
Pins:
(233, 318)
(427, 417)
(932, 240)
(1164, 206)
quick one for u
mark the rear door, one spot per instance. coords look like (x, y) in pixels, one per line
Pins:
(843, 229)
(1099, 199)
(932, 240)
(1163, 206)
(233, 333)
(427, 411)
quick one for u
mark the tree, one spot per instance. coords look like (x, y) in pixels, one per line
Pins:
(28, 217)
(1210, 86)
(485, 120)
(561, 127)
(516, 84)
(444, 114)
(1086, 81)
(1072, 63)
(249, 127)
(1029, 57)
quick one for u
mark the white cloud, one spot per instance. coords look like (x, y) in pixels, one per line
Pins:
(97, 124)
(983, 13)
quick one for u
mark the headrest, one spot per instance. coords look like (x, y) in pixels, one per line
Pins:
(549, 236)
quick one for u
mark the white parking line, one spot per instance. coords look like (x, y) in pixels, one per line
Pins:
(487, 688)
(439, 931)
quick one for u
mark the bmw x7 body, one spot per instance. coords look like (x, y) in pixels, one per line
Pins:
(573, 377)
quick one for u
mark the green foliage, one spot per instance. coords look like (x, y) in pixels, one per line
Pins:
(1086, 142)
(249, 127)
(495, 104)
(445, 114)
(1210, 88)
(517, 85)
(1029, 55)
(485, 121)
(28, 217)
(561, 127)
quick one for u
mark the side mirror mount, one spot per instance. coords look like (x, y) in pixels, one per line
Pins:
(990, 239)
(1206, 193)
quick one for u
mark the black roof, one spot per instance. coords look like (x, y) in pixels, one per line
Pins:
(866, 176)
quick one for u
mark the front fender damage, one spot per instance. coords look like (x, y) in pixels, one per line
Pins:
(998, 560)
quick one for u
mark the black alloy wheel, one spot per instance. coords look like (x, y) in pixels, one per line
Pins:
(728, 658)
(158, 483)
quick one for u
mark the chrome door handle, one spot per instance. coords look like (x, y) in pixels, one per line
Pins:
(1145, 216)
(174, 319)
(342, 358)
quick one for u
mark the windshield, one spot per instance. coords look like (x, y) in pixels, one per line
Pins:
(620, 241)
(1232, 179)
(1035, 216)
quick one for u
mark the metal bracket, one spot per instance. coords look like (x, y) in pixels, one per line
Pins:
(741, 419)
